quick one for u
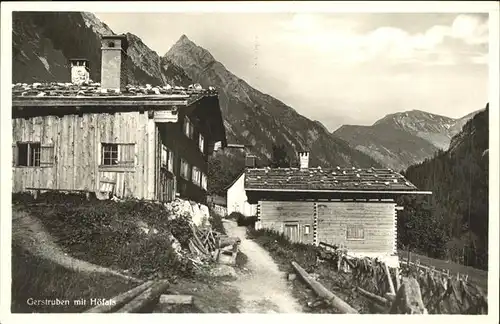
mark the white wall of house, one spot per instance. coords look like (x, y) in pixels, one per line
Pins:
(237, 200)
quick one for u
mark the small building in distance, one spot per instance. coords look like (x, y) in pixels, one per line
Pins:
(237, 200)
(111, 138)
(349, 207)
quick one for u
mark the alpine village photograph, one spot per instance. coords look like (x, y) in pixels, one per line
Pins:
(250, 162)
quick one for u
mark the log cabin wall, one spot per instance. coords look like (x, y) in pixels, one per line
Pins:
(281, 216)
(71, 153)
(359, 226)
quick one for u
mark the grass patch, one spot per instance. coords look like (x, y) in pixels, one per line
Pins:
(35, 279)
(133, 235)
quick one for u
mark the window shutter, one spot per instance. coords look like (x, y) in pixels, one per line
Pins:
(127, 153)
(14, 154)
(47, 155)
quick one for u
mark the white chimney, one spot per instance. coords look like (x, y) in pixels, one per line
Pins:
(114, 62)
(79, 71)
(304, 160)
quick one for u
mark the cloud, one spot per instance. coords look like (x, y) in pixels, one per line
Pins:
(386, 43)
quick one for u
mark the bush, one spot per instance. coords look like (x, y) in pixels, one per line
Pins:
(243, 220)
(216, 222)
(109, 233)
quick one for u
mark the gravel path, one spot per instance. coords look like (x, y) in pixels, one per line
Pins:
(264, 289)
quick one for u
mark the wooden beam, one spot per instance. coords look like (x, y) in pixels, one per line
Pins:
(145, 298)
(378, 299)
(322, 292)
(388, 273)
(121, 299)
(176, 299)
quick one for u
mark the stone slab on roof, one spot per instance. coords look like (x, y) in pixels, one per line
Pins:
(354, 179)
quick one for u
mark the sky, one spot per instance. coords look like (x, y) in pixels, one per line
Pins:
(338, 68)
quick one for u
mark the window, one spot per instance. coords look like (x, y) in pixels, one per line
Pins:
(201, 141)
(27, 154)
(307, 229)
(355, 232)
(203, 181)
(185, 170)
(188, 127)
(196, 176)
(117, 154)
(170, 161)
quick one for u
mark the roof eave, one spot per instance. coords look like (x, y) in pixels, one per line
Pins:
(395, 192)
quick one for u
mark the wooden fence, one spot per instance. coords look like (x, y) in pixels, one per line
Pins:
(441, 292)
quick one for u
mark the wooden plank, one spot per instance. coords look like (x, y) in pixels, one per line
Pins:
(322, 292)
(176, 299)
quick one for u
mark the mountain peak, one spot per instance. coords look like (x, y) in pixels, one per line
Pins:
(184, 40)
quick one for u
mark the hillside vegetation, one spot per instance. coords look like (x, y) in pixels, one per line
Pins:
(453, 223)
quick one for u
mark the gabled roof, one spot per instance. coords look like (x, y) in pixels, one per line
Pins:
(323, 180)
(41, 99)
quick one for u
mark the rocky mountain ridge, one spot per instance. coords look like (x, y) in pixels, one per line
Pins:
(259, 120)
(401, 139)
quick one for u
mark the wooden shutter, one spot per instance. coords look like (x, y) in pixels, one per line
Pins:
(14, 154)
(47, 155)
(127, 154)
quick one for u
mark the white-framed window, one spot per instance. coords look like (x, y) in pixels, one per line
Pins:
(114, 154)
(203, 181)
(196, 176)
(201, 142)
(188, 127)
(170, 161)
(185, 170)
(355, 232)
(32, 154)
(167, 158)
(307, 229)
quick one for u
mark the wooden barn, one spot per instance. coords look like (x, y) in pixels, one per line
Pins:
(349, 207)
(112, 138)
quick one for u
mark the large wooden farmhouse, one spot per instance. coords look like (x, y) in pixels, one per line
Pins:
(349, 207)
(112, 138)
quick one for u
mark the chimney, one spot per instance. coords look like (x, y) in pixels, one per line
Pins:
(114, 62)
(79, 71)
(304, 160)
(250, 161)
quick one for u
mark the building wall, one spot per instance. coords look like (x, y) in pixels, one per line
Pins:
(377, 219)
(173, 137)
(275, 214)
(74, 143)
(237, 200)
(329, 222)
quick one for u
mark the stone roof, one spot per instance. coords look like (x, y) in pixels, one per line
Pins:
(93, 89)
(331, 179)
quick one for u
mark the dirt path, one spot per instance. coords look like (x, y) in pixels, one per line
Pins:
(29, 232)
(264, 289)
